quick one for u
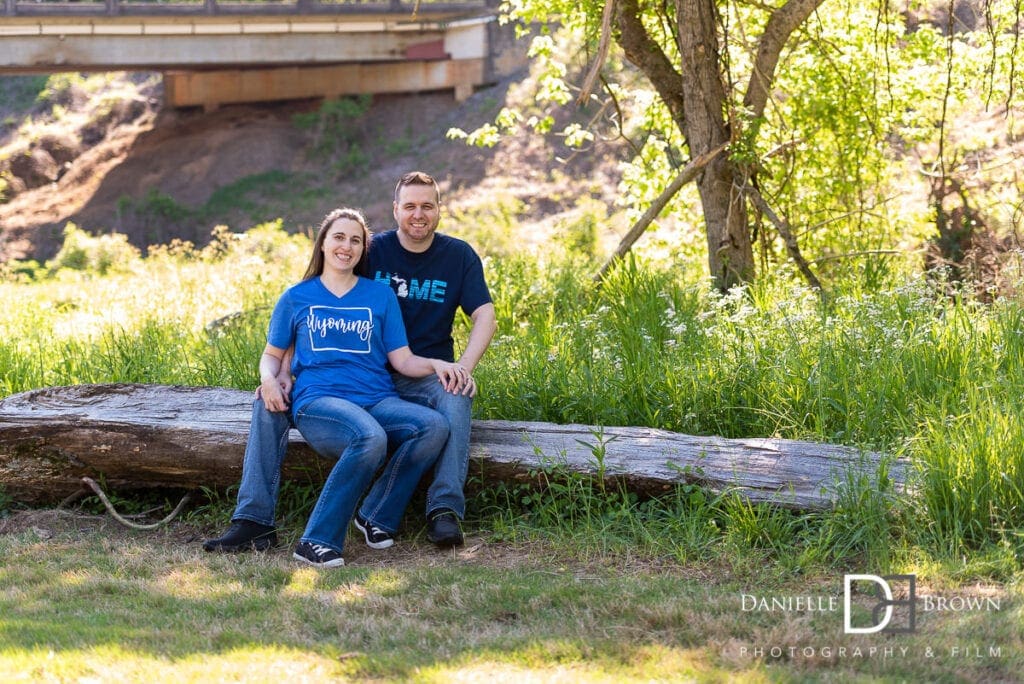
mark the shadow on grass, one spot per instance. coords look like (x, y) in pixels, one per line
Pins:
(78, 594)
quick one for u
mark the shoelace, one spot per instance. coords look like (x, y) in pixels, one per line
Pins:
(371, 529)
(320, 550)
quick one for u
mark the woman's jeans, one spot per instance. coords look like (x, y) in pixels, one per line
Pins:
(359, 439)
(268, 445)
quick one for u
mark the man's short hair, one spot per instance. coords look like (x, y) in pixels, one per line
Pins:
(417, 178)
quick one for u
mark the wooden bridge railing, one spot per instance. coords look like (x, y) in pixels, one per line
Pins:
(136, 8)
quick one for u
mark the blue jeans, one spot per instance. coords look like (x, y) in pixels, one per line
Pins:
(268, 445)
(446, 489)
(359, 439)
(261, 466)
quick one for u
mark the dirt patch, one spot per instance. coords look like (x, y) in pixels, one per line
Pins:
(50, 522)
(154, 176)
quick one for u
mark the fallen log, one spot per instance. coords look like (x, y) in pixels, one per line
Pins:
(153, 436)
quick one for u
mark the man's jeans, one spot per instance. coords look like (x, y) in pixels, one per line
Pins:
(360, 440)
(446, 490)
(268, 445)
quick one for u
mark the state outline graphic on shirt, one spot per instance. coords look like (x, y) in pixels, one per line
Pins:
(341, 328)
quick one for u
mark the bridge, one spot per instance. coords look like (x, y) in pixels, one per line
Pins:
(216, 52)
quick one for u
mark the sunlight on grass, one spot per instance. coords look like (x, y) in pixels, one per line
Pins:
(77, 577)
(273, 664)
(175, 284)
(197, 582)
(350, 594)
(127, 606)
(386, 583)
(537, 664)
(276, 664)
(303, 583)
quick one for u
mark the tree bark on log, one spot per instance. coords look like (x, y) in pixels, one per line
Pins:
(153, 436)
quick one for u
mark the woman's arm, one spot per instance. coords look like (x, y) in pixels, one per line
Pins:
(275, 397)
(454, 377)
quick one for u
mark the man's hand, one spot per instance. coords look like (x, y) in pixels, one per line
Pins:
(286, 385)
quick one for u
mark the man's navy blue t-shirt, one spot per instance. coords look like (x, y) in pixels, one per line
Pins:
(430, 286)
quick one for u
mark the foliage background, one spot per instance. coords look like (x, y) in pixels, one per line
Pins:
(915, 351)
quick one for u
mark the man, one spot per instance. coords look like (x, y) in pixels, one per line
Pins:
(433, 276)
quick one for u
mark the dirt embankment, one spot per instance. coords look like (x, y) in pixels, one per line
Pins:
(115, 160)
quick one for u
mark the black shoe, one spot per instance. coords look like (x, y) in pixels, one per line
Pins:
(243, 535)
(443, 528)
(317, 554)
(376, 538)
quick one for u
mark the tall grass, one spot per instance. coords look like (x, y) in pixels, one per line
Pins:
(903, 369)
(179, 316)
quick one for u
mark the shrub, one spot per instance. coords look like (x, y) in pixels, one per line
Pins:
(99, 254)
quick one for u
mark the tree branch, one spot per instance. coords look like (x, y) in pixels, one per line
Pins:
(648, 56)
(777, 31)
(687, 174)
(850, 255)
(602, 53)
(792, 247)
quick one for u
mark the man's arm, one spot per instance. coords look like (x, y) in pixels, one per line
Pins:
(284, 376)
(485, 324)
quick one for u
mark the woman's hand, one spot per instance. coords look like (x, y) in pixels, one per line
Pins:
(284, 380)
(275, 394)
(455, 377)
(275, 380)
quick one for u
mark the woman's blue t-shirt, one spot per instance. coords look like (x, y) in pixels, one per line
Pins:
(341, 343)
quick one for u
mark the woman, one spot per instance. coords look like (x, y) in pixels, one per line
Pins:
(345, 328)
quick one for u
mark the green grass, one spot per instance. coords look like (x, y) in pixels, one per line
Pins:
(244, 201)
(591, 581)
(905, 370)
(252, 196)
(20, 93)
(82, 598)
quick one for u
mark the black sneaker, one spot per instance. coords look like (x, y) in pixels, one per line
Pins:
(318, 555)
(243, 535)
(376, 538)
(443, 528)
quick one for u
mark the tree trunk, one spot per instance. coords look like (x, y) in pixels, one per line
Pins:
(730, 254)
(696, 96)
(152, 436)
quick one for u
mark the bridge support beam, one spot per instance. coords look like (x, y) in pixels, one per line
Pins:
(210, 89)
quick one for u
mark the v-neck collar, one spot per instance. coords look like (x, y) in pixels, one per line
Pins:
(320, 281)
